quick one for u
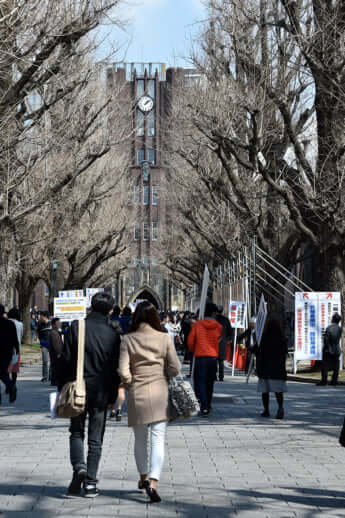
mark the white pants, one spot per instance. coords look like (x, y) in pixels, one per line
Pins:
(156, 434)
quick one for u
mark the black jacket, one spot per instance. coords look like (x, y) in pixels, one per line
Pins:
(102, 351)
(227, 335)
(331, 340)
(271, 357)
(8, 342)
(246, 336)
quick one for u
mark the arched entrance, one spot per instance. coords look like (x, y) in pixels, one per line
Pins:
(147, 293)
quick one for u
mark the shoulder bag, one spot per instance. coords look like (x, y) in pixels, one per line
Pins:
(72, 398)
(182, 398)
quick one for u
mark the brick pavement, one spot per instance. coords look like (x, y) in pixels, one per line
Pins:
(234, 464)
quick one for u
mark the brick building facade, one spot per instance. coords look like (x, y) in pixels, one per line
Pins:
(148, 87)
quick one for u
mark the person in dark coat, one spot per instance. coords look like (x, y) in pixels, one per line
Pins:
(270, 366)
(102, 351)
(9, 341)
(331, 351)
(43, 330)
(55, 349)
(227, 336)
(249, 341)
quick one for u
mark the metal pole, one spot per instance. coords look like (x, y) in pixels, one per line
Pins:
(234, 353)
(254, 272)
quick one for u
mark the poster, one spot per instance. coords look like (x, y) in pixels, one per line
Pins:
(90, 292)
(313, 313)
(69, 309)
(260, 319)
(71, 293)
(237, 314)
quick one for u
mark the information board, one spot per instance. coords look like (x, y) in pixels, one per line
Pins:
(69, 309)
(71, 293)
(237, 314)
(313, 313)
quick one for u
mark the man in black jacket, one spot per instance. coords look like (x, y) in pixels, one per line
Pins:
(331, 351)
(227, 336)
(8, 342)
(102, 350)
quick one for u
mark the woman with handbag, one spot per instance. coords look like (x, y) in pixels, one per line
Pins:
(147, 360)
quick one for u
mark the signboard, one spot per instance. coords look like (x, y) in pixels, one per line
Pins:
(260, 319)
(68, 309)
(205, 282)
(71, 293)
(90, 292)
(313, 313)
(237, 314)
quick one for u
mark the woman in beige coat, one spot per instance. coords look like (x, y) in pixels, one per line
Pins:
(147, 360)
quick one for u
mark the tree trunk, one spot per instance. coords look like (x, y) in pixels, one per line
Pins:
(7, 271)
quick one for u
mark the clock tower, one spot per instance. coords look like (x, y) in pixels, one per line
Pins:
(147, 87)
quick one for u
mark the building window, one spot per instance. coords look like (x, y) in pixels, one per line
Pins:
(154, 194)
(154, 231)
(146, 232)
(137, 194)
(146, 196)
(146, 260)
(140, 88)
(151, 123)
(151, 88)
(152, 156)
(136, 261)
(137, 232)
(141, 156)
(140, 123)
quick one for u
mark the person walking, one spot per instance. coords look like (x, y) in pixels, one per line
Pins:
(203, 341)
(13, 369)
(56, 349)
(43, 331)
(9, 340)
(147, 359)
(227, 336)
(331, 351)
(271, 366)
(102, 349)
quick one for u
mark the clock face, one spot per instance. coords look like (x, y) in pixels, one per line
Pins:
(145, 103)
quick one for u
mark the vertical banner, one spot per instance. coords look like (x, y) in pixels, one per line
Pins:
(205, 282)
(237, 313)
(313, 313)
(260, 319)
(237, 317)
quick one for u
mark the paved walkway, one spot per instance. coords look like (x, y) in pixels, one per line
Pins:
(234, 464)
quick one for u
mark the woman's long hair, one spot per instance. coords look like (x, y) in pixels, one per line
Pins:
(145, 312)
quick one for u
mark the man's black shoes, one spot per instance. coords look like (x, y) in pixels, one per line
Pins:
(77, 481)
(13, 394)
(90, 490)
(320, 384)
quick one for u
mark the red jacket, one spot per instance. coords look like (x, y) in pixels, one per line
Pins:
(204, 338)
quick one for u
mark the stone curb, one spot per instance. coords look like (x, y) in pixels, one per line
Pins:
(307, 379)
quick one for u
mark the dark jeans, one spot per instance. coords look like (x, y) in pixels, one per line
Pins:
(329, 362)
(205, 374)
(220, 369)
(5, 378)
(96, 427)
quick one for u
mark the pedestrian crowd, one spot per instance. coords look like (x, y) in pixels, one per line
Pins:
(134, 356)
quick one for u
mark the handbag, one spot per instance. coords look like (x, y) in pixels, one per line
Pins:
(72, 398)
(342, 435)
(182, 398)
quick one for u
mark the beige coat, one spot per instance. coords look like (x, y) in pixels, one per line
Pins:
(147, 357)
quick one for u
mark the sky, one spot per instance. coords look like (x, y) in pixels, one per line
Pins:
(158, 30)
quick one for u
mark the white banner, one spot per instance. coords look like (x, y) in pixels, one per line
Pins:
(69, 294)
(205, 282)
(237, 313)
(90, 292)
(260, 319)
(68, 309)
(313, 313)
